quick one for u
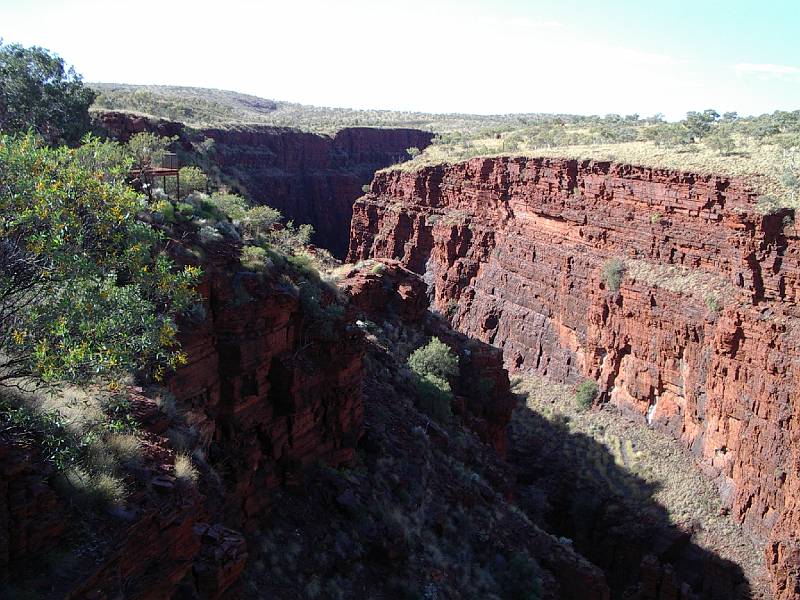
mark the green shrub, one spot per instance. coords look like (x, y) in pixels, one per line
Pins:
(319, 319)
(89, 292)
(185, 210)
(192, 179)
(378, 268)
(586, 394)
(612, 273)
(254, 258)
(434, 397)
(258, 221)
(432, 365)
(235, 207)
(520, 580)
(304, 264)
(436, 359)
(164, 212)
(713, 304)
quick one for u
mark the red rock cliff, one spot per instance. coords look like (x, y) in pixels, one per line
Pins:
(312, 178)
(309, 177)
(263, 397)
(699, 339)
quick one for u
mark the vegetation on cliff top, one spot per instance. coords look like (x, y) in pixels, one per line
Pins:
(765, 150)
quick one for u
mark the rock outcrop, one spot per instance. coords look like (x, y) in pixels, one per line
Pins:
(698, 337)
(482, 401)
(266, 397)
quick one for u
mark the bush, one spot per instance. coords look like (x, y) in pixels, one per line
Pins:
(163, 212)
(436, 359)
(713, 304)
(304, 265)
(192, 180)
(520, 580)
(432, 365)
(185, 471)
(84, 289)
(235, 207)
(612, 273)
(319, 318)
(254, 258)
(186, 210)
(434, 397)
(586, 394)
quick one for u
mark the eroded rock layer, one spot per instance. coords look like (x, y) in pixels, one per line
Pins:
(699, 338)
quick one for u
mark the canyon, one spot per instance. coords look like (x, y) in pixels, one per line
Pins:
(698, 339)
(316, 463)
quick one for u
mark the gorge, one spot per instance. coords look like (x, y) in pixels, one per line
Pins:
(321, 477)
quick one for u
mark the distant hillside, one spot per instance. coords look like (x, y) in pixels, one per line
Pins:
(204, 106)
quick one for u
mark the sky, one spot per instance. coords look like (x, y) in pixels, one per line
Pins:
(468, 56)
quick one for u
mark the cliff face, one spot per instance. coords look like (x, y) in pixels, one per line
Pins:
(260, 399)
(265, 396)
(698, 339)
(310, 178)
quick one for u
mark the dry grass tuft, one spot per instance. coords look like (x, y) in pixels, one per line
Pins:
(185, 471)
(126, 447)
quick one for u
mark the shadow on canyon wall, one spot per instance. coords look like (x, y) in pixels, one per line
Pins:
(574, 487)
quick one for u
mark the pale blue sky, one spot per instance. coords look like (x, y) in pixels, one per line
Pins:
(570, 56)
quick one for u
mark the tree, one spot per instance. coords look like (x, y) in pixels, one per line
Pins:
(413, 152)
(38, 92)
(436, 358)
(586, 393)
(432, 365)
(720, 139)
(83, 288)
(192, 179)
(668, 135)
(699, 124)
(146, 151)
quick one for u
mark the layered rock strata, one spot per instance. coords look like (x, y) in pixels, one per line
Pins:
(698, 337)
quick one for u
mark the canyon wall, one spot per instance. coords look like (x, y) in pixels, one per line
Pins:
(260, 398)
(699, 337)
(311, 178)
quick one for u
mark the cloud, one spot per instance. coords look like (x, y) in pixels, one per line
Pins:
(767, 70)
